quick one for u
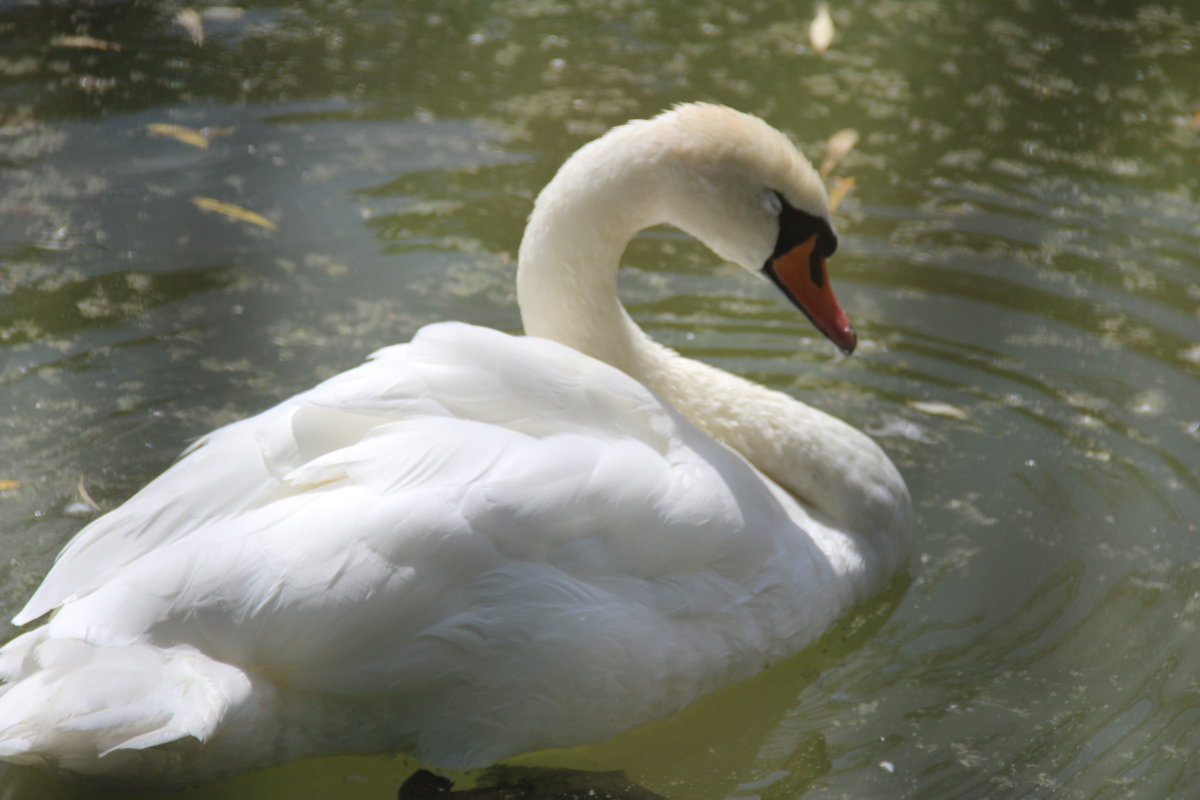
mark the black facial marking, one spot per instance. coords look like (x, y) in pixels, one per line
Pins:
(797, 227)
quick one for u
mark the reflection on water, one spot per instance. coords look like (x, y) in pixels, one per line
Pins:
(1019, 257)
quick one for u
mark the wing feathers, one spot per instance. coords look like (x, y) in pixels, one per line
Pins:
(333, 531)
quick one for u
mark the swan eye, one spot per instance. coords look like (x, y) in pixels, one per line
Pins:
(772, 202)
(796, 227)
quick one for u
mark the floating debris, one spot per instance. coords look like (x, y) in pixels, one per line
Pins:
(86, 496)
(8, 484)
(838, 146)
(904, 429)
(841, 188)
(1150, 403)
(937, 409)
(180, 133)
(224, 13)
(91, 83)
(235, 212)
(193, 23)
(970, 510)
(85, 43)
(820, 30)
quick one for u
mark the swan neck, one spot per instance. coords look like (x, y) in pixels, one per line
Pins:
(571, 252)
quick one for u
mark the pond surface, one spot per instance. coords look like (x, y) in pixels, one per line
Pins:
(1020, 254)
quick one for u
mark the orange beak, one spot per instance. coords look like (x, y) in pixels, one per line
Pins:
(803, 278)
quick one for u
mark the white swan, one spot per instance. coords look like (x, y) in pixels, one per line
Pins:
(476, 545)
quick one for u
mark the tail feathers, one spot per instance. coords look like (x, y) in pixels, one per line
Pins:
(72, 703)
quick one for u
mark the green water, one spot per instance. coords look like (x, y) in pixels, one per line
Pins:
(1020, 255)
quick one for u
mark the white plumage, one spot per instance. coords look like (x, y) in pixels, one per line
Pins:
(475, 545)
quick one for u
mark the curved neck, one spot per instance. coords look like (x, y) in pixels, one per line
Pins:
(572, 247)
(567, 291)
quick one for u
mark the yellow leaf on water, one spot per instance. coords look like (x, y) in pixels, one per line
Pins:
(836, 149)
(841, 188)
(186, 135)
(7, 484)
(85, 42)
(234, 212)
(938, 409)
(820, 30)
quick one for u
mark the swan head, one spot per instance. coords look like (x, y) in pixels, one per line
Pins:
(744, 190)
(727, 178)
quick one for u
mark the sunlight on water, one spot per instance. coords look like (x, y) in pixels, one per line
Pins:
(1019, 256)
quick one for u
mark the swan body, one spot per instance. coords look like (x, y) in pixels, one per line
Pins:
(475, 545)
